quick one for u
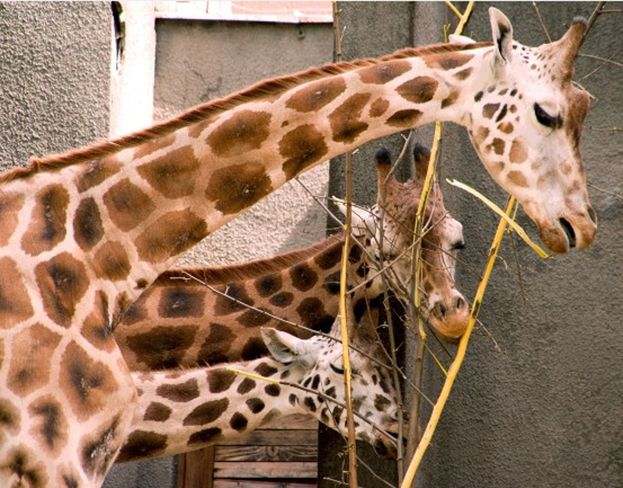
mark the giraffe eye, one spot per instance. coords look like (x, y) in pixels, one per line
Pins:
(546, 119)
(336, 369)
(458, 245)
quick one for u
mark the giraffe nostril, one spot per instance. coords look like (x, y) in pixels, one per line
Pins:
(440, 311)
(592, 215)
(459, 303)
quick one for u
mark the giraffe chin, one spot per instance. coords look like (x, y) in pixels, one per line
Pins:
(453, 326)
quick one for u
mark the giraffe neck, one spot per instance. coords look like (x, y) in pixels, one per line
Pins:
(179, 322)
(179, 411)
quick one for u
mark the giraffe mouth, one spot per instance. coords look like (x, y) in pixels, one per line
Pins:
(569, 232)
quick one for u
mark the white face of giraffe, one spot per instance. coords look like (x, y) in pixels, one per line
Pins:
(525, 124)
(320, 365)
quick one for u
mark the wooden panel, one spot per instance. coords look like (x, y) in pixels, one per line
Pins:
(263, 484)
(265, 470)
(290, 422)
(195, 469)
(277, 437)
(266, 453)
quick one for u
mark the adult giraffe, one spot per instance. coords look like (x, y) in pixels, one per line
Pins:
(84, 232)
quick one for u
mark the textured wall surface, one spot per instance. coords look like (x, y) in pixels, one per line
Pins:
(54, 77)
(543, 410)
(200, 61)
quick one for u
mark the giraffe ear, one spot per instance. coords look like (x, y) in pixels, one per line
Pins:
(285, 347)
(502, 32)
(360, 217)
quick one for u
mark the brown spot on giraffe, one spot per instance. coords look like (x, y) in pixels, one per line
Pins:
(236, 187)
(137, 311)
(272, 389)
(378, 107)
(420, 89)
(303, 277)
(404, 118)
(173, 174)
(254, 348)
(518, 153)
(301, 147)
(497, 145)
(15, 304)
(142, 444)
(195, 130)
(489, 110)
(206, 412)
(86, 383)
(345, 120)
(245, 386)
(128, 205)
(169, 341)
(256, 405)
(244, 131)
(62, 282)
(224, 305)
(179, 392)
(506, 127)
(313, 96)
(97, 172)
(10, 205)
(25, 375)
(49, 423)
(331, 257)
(181, 301)
(97, 326)
(18, 462)
(217, 343)
(220, 379)
(517, 178)
(88, 227)
(282, 299)
(111, 262)
(463, 74)
(382, 73)
(447, 61)
(172, 234)
(205, 436)
(450, 99)
(10, 416)
(157, 412)
(154, 145)
(238, 422)
(269, 284)
(265, 369)
(312, 314)
(48, 220)
(253, 318)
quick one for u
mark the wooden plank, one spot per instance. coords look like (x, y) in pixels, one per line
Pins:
(264, 484)
(266, 453)
(292, 422)
(238, 470)
(276, 437)
(195, 469)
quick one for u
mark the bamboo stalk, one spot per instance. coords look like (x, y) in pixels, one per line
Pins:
(460, 355)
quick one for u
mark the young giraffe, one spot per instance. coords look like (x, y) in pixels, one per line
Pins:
(179, 322)
(83, 233)
(184, 410)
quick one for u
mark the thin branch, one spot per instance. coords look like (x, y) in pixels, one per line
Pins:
(599, 58)
(538, 14)
(615, 195)
(592, 19)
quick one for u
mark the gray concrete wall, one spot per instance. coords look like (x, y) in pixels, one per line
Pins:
(54, 77)
(197, 61)
(545, 409)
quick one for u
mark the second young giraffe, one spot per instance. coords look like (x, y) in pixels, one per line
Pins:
(184, 410)
(181, 322)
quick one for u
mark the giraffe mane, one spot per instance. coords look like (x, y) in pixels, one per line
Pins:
(266, 88)
(253, 269)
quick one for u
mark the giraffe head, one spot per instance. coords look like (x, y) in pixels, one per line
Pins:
(525, 123)
(319, 367)
(443, 305)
